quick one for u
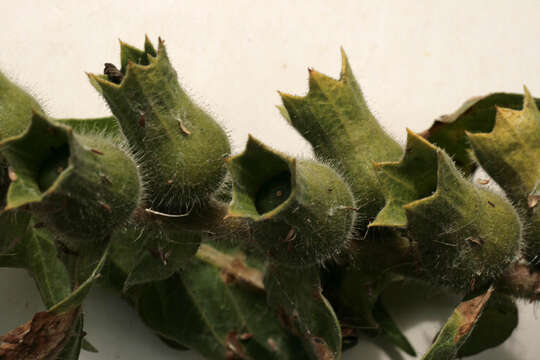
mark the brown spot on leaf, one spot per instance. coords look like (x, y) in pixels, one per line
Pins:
(272, 343)
(226, 277)
(95, 151)
(321, 349)
(106, 180)
(142, 121)
(185, 131)
(491, 204)
(476, 241)
(520, 280)
(471, 310)
(533, 200)
(291, 235)
(348, 332)
(482, 181)
(235, 346)
(12, 175)
(245, 336)
(229, 355)
(41, 338)
(106, 206)
(316, 293)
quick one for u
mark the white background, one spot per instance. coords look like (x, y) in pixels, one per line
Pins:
(414, 60)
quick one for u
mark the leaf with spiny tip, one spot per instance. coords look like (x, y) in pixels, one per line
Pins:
(106, 126)
(335, 119)
(476, 115)
(495, 326)
(250, 170)
(458, 328)
(211, 307)
(302, 211)
(167, 128)
(283, 110)
(412, 178)
(297, 298)
(458, 230)
(509, 154)
(81, 185)
(16, 109)
(130, 53)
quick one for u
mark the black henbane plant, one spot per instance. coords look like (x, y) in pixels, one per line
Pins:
(261, 255)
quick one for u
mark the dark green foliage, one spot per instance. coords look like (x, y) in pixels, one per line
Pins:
(261, 255)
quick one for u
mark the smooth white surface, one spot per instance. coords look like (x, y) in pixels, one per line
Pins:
(414, 61)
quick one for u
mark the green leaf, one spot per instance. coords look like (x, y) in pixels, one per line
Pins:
(297, 299)
(129, 53)
(414, 177)
(16, 109)
(81, 186)
(212, 307)
(167, 128)
(26, 244)
(475, 115)
(355, 296)
(77, 296)
(105, 126)
(14, 225)
(458, 229)
(33, 247)
(498, 321)
(336, 120)
(509, 155)
(73, 345)
(164, 251)
(301, 211)
(458, 328)
(390, 329)
(41, 259)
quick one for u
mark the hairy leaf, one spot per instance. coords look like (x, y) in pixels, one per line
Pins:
(166, 127)
(336, 120)
(475, 115)
(458, 230)
(297, 299)
(216, 308)
(510, 154)
(412, 178)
